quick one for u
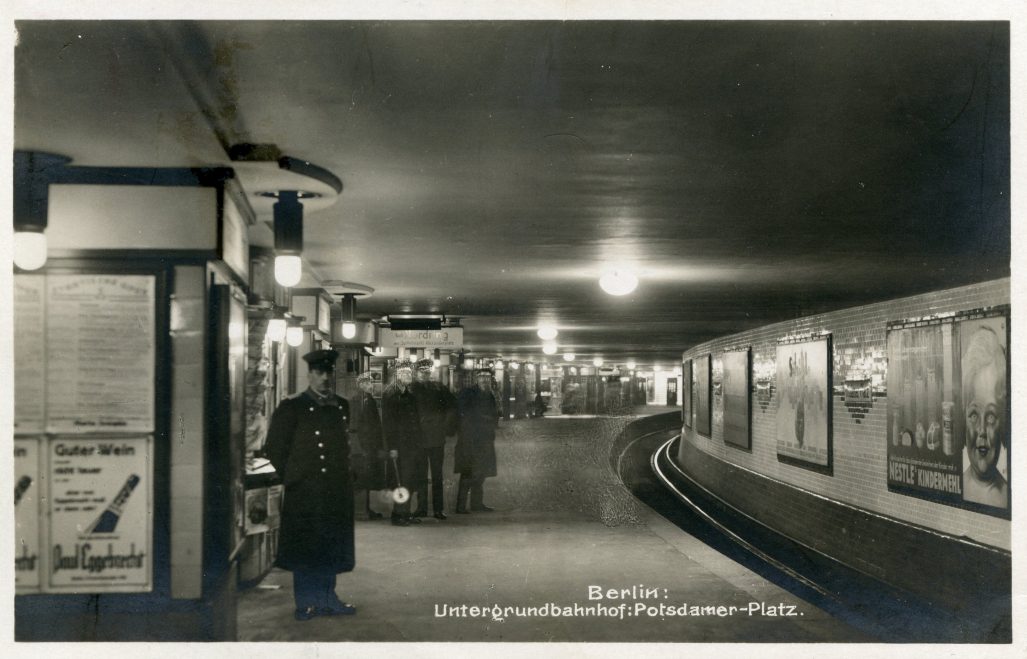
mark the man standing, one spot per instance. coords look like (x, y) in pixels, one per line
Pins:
(367, 425)
(436, 408)
(475, 458)
(401, 431)
(308, 445)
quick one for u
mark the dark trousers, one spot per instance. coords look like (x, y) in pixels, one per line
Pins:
(313, 589)
(433, 456)
(475, 487)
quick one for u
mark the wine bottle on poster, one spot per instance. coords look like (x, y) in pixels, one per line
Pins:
(19, 490)
(108, 519)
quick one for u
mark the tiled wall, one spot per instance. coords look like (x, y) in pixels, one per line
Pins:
(859, 475)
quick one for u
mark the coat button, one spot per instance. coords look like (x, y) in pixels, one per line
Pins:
(317, 432)
(323, 470)
(311, 409)
(322, 457)
(320, 444)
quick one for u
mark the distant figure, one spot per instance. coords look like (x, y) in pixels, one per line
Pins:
(308, 445)
(367, 425)
(540, 404)
(984, 403)
(436, 408)
(401, 431)
(475, 458)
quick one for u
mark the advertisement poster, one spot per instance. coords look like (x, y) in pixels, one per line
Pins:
(686, 392)
(803, 385)
(702, 395)
(984, 375)
(27, 484)
(101, 492)
(925, 426)
(100, 365)
(736, 398)
(29, 353)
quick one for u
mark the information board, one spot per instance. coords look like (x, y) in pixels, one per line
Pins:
(100, 353)
(29, 353)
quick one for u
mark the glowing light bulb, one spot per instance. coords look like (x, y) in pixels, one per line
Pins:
(568, 356)
(288, 270)
(294, 336)
(276, 329)
(618, 281)
(549, 348)
(598, 361)
(631, 364)
(29, 249)
(547, 332)
(436, 363)
(468, 364)
(349, 329)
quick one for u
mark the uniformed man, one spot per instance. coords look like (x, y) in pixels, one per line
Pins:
(475, 455)
(308, 445)
(401, 430)
(367, 428)
(436, 408)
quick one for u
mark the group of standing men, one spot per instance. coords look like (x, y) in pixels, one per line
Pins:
(308, 443)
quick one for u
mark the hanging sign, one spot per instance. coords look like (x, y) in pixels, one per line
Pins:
(27, 484)
(101, 492)
(100, 362)
(447, 337)
(29, 353)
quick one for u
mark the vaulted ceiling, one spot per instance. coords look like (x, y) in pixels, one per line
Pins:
(750, 172)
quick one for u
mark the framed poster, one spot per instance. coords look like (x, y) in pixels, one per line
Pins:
(27, 515)
(735, 383)
(686, 392)
(100, 339)
(948, 412)
(803, 382)
(703, 419)
(101, 496)
(29, 354)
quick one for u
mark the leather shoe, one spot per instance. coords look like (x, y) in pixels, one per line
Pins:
(483, 509)
(440, 515)
(306, 614)
(338, 608)
(413, 520)
(400, 521)
(420, 513)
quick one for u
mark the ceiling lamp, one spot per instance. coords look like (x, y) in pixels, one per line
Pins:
(568, 356)
(549, 348)
(294, 331)
(33, 172)
(349, 312)
(597, 362)
(547, 332)
(276, 329)
(618, 281)
(288, 213)
(630, 364)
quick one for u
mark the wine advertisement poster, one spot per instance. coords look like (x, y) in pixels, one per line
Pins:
(26, 515)
(736, 398)
(101, 497)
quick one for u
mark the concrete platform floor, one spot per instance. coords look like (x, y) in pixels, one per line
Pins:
(564, 526)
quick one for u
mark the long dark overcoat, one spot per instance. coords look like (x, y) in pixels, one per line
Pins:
(436, 409)
(475, 453)
(368, 427)
(308, 445)
(401, 431)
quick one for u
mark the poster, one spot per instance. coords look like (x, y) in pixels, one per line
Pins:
(100, 361)
(735, 388)
(803, 383)
(27, 487)
(924, 426)
(29, 353)
(984, 376)
(686, 392)
(702, 395)
(101, 492)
